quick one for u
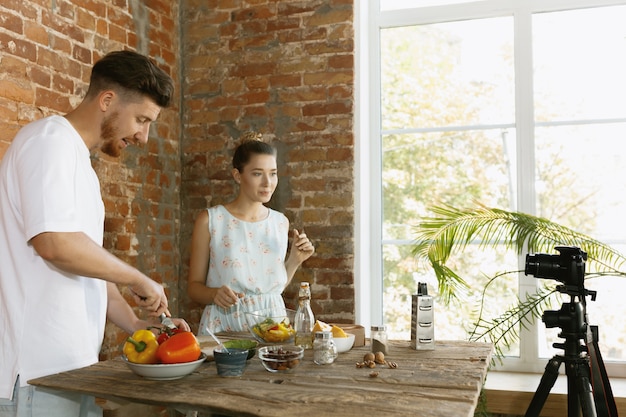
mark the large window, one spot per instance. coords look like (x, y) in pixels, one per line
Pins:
(519, 105)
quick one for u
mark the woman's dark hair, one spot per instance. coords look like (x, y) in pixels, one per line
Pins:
(251, 145)
(134, 73)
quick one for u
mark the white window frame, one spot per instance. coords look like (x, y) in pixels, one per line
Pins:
(368, 209)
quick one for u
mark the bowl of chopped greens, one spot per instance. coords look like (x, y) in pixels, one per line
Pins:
(245, 344)
(272, 326)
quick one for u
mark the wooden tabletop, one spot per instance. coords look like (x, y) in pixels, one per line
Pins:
(443, 382)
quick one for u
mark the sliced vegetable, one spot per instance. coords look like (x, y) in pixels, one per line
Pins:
(273, 332)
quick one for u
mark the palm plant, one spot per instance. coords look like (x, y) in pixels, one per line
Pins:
(449, 232)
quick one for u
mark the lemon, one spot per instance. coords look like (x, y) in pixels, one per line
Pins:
(338, 331)
(320, 326)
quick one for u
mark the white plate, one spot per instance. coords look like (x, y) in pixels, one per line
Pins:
(164, 372)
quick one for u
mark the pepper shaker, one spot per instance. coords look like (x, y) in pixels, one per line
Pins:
(379, 339)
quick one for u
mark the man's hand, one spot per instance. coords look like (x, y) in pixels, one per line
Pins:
(150, 295)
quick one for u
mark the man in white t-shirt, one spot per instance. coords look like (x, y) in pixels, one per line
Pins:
(58, 285)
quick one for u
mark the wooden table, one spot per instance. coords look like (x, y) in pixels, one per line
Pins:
(443, 382)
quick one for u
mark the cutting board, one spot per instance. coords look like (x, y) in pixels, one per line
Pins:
(207, 344)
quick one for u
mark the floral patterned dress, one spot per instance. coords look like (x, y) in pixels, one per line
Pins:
(249, 257)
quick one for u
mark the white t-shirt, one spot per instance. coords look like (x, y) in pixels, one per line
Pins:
(50, 321)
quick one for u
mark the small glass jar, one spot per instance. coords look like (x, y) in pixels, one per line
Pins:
(379, 339)
(324, 349)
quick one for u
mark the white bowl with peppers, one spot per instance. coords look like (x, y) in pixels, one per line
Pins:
(171, 354)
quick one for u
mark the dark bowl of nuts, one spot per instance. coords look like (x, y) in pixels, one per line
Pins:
(280, 358)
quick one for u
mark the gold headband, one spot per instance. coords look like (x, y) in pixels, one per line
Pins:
(251, 136)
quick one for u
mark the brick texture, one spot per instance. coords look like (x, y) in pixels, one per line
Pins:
(46, 53)
(283, 68)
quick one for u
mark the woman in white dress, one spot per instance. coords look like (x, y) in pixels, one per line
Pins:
(238, 253)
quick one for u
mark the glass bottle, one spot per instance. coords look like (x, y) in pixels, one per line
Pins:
(379, 339)
(304, 320)
(324, 349)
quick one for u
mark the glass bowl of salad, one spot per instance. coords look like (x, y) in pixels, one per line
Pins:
(272, 326)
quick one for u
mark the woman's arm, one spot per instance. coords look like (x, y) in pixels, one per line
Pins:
(199, 267)
(301, 250)
(199, 261)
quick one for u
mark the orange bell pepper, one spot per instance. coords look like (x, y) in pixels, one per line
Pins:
(179, 348)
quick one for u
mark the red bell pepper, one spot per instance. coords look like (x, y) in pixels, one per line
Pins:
(179, 348)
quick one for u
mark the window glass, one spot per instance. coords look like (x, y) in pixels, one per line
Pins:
(448, 138)
(405, 4)
(580, 159)
(580, 64)
(579, 185)
(450, 74)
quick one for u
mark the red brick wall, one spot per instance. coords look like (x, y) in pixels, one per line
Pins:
(46, 53)
(285, 69)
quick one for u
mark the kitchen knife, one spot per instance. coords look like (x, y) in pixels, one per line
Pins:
(166, 321)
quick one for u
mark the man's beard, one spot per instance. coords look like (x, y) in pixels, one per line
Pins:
(109, 135)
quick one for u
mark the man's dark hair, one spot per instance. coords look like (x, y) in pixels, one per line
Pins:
(131, 73)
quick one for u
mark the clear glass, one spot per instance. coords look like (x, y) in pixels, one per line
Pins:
(379, 339)
(324, 349)
(304, 319)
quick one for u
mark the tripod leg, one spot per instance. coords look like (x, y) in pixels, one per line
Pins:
(548, 379)
(602, 392)
(583, 400)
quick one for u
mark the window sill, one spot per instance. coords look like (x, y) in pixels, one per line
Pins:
(511, 392)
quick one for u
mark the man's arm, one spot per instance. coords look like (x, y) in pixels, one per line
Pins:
(76, 253)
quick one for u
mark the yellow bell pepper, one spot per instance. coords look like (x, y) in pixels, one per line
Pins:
(141, 347)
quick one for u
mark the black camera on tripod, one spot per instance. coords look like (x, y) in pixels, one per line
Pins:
(568, 267)
(582, 354)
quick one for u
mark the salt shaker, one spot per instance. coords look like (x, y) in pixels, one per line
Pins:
(379, 339)
(324, 349)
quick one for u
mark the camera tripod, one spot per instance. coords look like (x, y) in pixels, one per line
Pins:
(589, 393)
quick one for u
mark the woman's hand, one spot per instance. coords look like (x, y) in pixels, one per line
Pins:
(226, 297)
(301, 248)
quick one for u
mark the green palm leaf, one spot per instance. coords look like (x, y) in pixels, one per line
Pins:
(451, 230)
